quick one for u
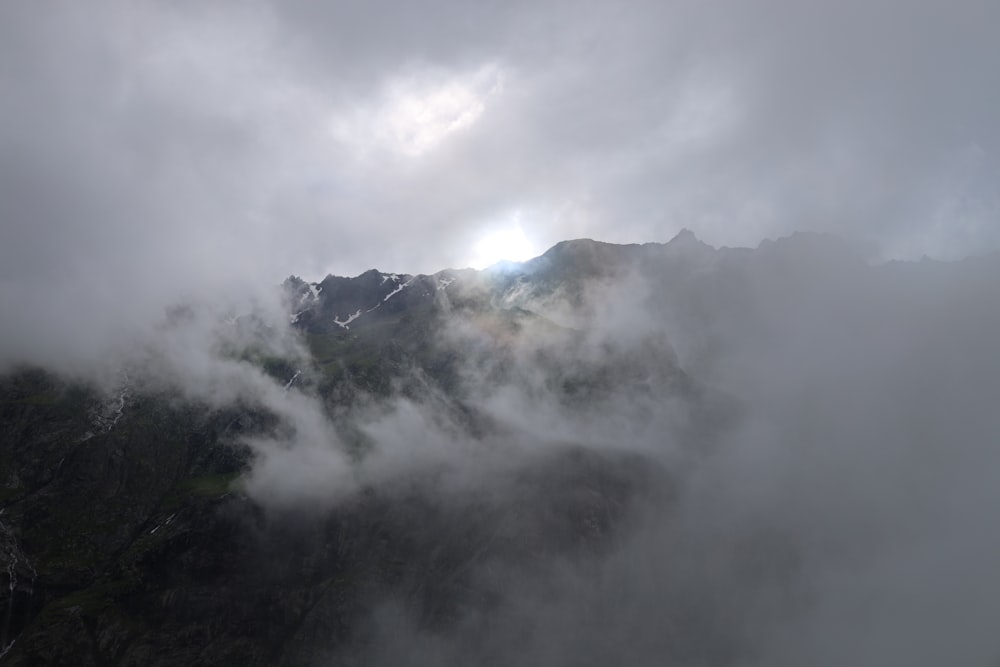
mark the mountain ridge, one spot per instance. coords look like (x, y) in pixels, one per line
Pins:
(433, 442)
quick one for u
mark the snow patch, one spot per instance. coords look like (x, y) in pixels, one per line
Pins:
(105, 417)
(288, 385)
(306, 301)
(397, 290)
(350, 318)
(165, 523)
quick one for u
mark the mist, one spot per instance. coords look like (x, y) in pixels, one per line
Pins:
(834, 510)
(806, 439)
(670, 454)
(691, 453)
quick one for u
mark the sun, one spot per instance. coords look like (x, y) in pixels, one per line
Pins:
(510, 243)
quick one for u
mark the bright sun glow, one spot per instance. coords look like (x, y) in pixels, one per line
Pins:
(510, 244)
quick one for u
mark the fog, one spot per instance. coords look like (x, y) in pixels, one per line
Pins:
(805, 430)
(823, 498)
(790, 449)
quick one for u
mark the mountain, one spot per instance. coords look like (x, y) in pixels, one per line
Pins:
(424, 468)
(128, 538)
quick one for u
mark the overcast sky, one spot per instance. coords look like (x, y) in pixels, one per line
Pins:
(149, 149)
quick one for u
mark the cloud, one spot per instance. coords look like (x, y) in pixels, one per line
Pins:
(155, 154)
(185, 148)
(840, 519)
(417, 113)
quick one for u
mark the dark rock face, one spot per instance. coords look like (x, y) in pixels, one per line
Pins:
(134, 549)
(83, 509)
(127, 539)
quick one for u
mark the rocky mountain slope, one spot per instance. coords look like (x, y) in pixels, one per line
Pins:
(536, 412)
(128, 538)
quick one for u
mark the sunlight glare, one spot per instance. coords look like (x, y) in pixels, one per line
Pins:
(510, 244)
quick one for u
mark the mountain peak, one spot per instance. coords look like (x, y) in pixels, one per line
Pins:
(685, 237)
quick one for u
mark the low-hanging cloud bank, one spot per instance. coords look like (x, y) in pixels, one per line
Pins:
(834, 510)
(840, 515)
(866, 451)
(845, 518)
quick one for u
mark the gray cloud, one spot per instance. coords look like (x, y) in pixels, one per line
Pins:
(844, 519)
(154, 150)
(153, 153)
